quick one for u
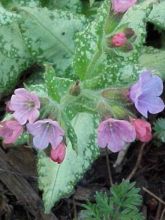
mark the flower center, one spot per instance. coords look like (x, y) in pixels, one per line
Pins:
(30, 104)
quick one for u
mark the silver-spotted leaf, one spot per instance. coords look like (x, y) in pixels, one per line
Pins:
(57, 181)
(89, 44)
(157, 15)
(154, 59)
(71, 5)
(49, 35)
(56, 86)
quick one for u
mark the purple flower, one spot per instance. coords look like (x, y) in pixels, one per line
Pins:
(145, 94)
(120, 6)
(10, 131)
(44, 132)
(25, 106)
(114, 134)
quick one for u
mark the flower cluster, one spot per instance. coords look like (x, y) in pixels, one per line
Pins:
(114, 134)
(25, 106)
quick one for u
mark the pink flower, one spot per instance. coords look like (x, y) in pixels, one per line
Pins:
(119, 40)
(120, 6)
(25, 106)
(114, 134)
(58, 154)
(46, 132)
(143, 129)
(10, 131)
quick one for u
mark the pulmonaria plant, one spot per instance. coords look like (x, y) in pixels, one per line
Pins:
(121, 6)
(10, 131)
(25, 106)
(145, 94)
(114, 134)
(45, 132)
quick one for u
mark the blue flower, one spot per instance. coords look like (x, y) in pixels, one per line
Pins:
(145, 94)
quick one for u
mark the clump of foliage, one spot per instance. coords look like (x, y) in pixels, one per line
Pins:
(121, 203)
(91, 58)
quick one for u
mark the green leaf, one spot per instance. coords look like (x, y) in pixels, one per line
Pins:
(10, 72)
(157, 15)
(93, 59)
(57, 181)
(120, 75)
(15, 3)
(91, 2)
(89, 44)
(122, 203)
(14, 57)
(69, 130)
(33, 35)
(154, 59)
(49, 35)
(71, 5)
(159, 128)
(56, 86)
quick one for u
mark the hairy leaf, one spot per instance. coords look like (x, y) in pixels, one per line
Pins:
(89, 44)
(157, 15)
(71, 5)
(49, 35)
(93, 61)
(57, 181)
(14, 57)
(56, 86)
(31, 35)
(154, 59)
(15, 3)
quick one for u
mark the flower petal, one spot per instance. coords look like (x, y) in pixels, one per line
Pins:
(55, 136)
(115, 142)
(120, 6)
(142, 108)
(21, 116)
(135, 91)
(36, 129)
(156, 105)
(126, 131)
(33, 116)
(42, 141)
(153, 87)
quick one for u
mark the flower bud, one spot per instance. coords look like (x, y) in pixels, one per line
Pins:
(75, 89)
(119, 40)
(58, 154)
(143, 129)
